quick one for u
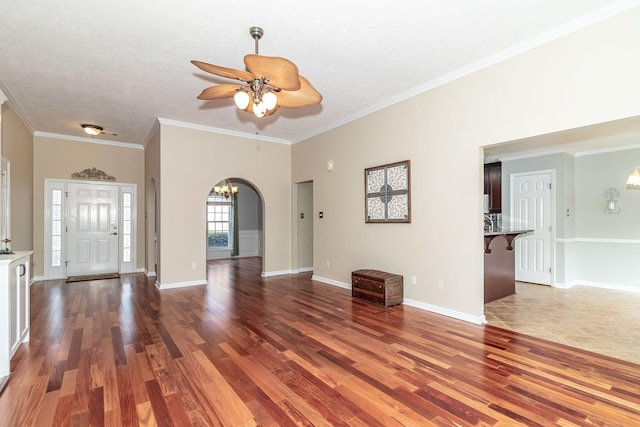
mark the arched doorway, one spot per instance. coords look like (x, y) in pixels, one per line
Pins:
(235, 220)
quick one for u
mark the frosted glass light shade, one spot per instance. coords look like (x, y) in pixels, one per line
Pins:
(92, 130)
(633, 182)
(241, 99)
(270, 100)
(259, 109)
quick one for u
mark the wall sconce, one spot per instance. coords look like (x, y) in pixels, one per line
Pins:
(612, 201)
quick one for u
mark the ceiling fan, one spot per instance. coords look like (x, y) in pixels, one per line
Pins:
(269, 83)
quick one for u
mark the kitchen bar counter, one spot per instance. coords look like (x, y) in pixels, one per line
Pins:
(499, 263)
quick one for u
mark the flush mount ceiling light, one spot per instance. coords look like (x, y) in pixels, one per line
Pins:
(271, 82)
(92, 130)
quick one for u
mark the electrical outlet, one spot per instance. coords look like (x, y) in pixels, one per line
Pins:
(440, 284)
(328, 263)
(414, 280)
(193, 265)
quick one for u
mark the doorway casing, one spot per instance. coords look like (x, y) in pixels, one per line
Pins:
(55, 226)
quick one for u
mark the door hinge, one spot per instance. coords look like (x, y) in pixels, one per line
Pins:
(66, 194)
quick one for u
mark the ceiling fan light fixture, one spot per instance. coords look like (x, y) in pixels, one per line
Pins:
(270, 100)
(241, 99)
(268, 83)
(92, 130)
(259, 109)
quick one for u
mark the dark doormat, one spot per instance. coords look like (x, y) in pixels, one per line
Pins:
(92, 277)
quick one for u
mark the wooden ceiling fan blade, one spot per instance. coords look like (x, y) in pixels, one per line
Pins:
(271, 112)
(305, 96)
(281, 72)
(230, 73)
(219, 92)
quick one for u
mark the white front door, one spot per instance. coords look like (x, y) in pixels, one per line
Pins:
(92, 229)
(531, 210)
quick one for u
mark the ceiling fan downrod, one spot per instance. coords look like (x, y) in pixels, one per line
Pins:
(256, 33)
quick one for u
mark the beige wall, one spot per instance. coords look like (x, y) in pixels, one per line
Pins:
(17, 147)
(191, 162)
(584, 78)
(56, 157)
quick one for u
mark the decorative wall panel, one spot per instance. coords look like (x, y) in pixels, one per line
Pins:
(388, 193)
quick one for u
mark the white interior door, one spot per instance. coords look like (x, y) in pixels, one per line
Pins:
(92, 229)
(531, 210)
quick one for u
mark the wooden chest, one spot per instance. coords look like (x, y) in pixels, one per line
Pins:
(377, 286)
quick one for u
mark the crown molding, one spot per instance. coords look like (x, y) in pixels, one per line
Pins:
(89, 140)
(152, 131)
(569, 151)
(15, 107)
(607, 150)
(211, 129)
(546, 37)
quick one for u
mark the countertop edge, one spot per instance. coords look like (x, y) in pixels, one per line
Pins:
(505, 232)
(8, 258)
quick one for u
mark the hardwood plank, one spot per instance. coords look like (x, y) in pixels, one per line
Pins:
(281, 351)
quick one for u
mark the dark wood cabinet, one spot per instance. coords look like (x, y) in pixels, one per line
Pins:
(493, 186)
(377, 286)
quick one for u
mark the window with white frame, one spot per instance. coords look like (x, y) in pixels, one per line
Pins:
(219, 222)
(56, 227)
(127, 219)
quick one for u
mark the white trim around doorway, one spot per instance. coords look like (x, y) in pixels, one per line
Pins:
(55, 223)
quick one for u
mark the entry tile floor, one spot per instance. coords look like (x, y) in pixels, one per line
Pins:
(600, 320)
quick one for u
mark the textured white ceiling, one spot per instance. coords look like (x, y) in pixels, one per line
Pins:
(122, 64)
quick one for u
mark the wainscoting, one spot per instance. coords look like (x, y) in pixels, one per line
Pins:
(250, 244)
(603, 263)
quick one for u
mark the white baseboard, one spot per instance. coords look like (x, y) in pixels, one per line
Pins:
(276, 273)
(149, 273)
(304, 269)
(560, 285)
(610, 286)
(176, 285)
(331, 282)
(478, 320)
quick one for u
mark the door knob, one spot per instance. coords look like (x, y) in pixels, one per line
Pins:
(114, 234)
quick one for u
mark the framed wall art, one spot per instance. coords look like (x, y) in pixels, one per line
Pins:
(388, 193)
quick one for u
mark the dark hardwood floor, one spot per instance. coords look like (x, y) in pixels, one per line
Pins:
(246, 350)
